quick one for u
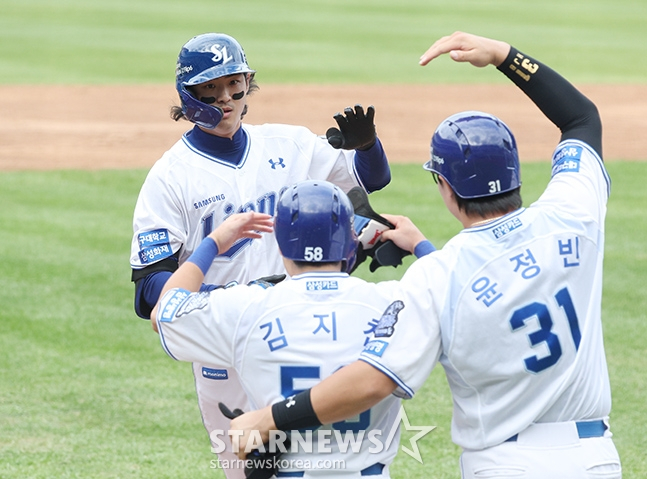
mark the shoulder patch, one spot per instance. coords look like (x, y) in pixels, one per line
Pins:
(386, 326)
(567, 159)
(193, 302)
(171, 305)
(181, 302)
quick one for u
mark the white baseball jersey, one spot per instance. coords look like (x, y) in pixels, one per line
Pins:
(283, 340)
(512, 310)
(188, 193)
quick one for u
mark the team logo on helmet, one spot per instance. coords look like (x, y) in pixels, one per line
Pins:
(220, 54)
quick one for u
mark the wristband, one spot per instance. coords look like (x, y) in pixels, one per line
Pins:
(204, 254)
(423, 249)
(295, 413)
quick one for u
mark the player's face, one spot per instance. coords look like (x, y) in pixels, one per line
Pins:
(230, 94)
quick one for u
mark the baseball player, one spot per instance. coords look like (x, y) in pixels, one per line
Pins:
(511, 306)
(299, 331)
(221, 167)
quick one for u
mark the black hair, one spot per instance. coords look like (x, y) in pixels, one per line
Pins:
(488, 206)
(309, 264)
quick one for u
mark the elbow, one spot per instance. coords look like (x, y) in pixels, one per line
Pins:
(382, 388)
(376, 183)
(376, 385)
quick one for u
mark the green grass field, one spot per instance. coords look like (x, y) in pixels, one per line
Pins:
(87, 392)
(326, 41)
(85, 388)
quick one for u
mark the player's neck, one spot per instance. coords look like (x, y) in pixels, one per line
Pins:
(294, 269)
(476, 221)
(483, 221)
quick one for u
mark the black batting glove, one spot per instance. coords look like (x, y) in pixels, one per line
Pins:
(356, 129)
(260, 465)
(228, 413)
(369, 226)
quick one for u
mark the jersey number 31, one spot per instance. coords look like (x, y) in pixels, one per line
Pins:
(545, 334)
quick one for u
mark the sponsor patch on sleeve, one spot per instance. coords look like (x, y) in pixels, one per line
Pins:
(375, 347)
(216, 374)
(154, 246)
(155, 253)
(567, 159)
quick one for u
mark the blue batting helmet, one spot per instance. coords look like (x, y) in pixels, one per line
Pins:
(314, 223)
(204, 58)
(476, 154)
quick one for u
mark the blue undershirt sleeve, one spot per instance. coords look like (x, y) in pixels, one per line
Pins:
(372, 167)
(148, 292)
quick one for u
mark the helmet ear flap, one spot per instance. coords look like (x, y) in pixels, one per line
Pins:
(198, 112)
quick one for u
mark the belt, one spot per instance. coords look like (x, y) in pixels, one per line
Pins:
(374, 470)
(584, 429)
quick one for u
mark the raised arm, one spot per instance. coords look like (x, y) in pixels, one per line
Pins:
(190, 275)
(573, 113)
(358, 386)
(356, 131)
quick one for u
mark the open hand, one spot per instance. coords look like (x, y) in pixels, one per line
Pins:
(241, 225)
(465, 47)
(356, 129)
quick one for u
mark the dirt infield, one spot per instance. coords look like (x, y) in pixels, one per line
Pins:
(49, 127)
